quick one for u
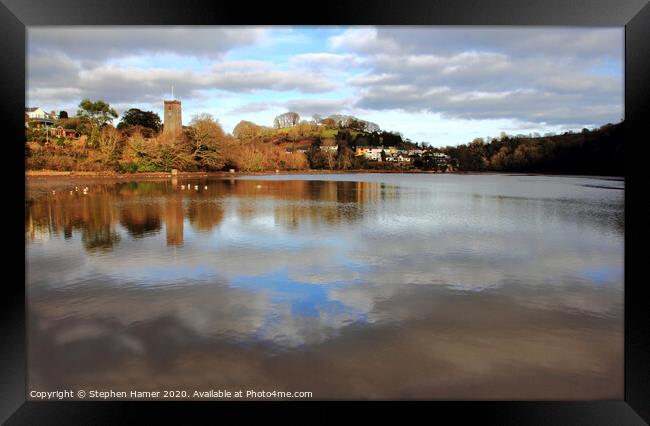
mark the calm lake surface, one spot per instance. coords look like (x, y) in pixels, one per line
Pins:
(348, 286)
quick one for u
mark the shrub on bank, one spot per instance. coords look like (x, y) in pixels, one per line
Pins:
(127, 167)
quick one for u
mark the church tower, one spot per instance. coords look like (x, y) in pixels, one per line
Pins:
(173, 123)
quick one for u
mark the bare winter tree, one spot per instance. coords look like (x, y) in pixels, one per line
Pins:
(206, 138)
(371, 127)
(288, 119)
(353, 123)
(340, 120)
(247, 130)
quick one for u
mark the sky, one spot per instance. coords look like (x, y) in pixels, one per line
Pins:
(440, 85)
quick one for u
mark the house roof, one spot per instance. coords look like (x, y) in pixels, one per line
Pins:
(32, 109)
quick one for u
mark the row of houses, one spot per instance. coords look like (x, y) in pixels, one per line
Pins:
(392, 153)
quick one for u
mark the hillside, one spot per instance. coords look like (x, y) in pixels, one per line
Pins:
(589, 152)
(90, 143)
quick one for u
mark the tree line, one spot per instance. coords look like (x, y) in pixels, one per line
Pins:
(137, 144)
(590, 152)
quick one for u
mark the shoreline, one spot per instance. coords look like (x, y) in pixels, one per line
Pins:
(31, 175)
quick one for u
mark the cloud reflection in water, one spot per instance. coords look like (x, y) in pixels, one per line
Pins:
(333, 280)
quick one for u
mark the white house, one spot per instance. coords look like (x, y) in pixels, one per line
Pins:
(374, 154)
(36, 112)
(36, 117)
(399, 158)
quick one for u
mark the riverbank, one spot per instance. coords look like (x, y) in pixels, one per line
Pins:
(41, 175)
(36, 174)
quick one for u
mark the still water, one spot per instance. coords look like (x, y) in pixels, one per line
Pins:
(363, 286)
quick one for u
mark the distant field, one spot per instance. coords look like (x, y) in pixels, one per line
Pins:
(329, 133)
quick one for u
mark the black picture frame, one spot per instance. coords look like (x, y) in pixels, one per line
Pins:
(16, 15)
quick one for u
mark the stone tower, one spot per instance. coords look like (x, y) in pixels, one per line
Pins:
(173, 123)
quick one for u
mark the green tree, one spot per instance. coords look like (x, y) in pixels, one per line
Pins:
(136, 117)
(99, 113)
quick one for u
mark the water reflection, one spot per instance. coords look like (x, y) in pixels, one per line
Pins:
(142, 208)
(366, 286)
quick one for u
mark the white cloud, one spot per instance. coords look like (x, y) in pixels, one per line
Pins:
(558, 76)
(558, 42)
(325, 60)
(100, 43)
(119, 84)
(362, 40)
(305, 107)
(308, 107)
(523, 74)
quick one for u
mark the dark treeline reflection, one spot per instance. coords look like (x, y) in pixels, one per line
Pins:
(148, 208)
